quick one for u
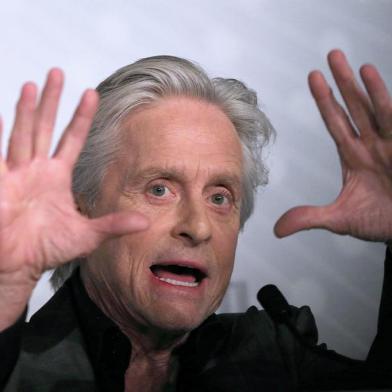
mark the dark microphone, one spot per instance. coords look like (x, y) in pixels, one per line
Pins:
(277, 307)
(274, 303)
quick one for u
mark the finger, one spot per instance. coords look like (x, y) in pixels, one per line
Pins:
(381, 100)
(2, 163)
(333, 115)
(354, 97)
(76, 132)
(1, 138)
(46, 112)
(302, 218)
(20, 145)
(117, 224)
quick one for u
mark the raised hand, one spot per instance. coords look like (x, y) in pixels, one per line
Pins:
(40, 226)
(363, 136)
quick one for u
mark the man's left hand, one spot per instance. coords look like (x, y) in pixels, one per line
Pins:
(363, 136)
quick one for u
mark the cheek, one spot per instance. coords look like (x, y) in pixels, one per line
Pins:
(226, 233)
(121, 258)
(131, 251)
(225, 248)
(158, 214)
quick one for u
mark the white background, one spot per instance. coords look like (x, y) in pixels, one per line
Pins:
(271, 46)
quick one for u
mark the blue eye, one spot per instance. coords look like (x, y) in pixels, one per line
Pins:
(158, 190)
(218, 199)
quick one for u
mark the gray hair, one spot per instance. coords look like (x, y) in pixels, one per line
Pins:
(146, 81)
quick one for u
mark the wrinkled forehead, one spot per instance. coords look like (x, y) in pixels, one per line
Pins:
(184, 135)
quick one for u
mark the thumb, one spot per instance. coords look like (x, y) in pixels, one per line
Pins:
(301, 218)
(119, 223)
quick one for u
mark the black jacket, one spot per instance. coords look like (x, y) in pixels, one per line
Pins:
(61, 350)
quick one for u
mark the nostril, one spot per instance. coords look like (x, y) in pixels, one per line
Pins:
(189, 239)
(186, 235)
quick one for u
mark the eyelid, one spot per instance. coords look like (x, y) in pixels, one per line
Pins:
(225, 191)
(157, 183)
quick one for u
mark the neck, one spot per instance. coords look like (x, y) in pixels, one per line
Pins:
(152, 361)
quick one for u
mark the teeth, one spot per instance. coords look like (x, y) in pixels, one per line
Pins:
(179, 283)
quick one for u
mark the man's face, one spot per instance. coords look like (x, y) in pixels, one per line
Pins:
(180, 166)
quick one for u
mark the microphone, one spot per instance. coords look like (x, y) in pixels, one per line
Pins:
(277, 307)
(274, 303)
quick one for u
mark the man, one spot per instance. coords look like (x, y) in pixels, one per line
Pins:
(162, 187)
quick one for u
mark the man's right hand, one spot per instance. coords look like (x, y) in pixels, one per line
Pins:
(40, 225)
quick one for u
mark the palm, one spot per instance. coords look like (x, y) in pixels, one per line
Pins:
(364, 205)
(39, 220)
(40, 226)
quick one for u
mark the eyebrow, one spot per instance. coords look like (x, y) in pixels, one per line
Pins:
(151, 172)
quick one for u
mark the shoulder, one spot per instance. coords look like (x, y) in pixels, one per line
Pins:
(251, 335)
(258, 323)
(53, 349)
(238, 351)
(52, 323)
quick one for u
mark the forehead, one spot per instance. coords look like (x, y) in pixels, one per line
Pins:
(182, 132)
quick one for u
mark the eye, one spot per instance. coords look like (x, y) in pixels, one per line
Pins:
(158, 190)
(219, 199)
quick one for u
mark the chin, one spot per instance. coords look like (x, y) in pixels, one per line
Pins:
(177, 320)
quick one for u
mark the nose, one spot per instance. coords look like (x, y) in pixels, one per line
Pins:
(193, 226)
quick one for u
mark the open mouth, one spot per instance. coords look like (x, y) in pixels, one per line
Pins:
(178, 275)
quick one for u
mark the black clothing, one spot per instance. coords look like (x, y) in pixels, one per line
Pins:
(70, 345)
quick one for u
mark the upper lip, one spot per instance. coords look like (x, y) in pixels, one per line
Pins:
(184, 263)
